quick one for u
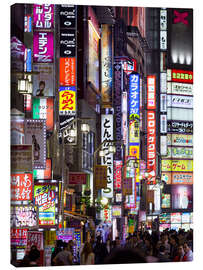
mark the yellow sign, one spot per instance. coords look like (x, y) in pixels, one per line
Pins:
(177, 165)
(67, 100)
(134, 151)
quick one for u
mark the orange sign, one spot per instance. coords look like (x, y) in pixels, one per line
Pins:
(67, 71)
(134, 151)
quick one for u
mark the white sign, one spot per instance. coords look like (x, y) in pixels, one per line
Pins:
(163, 123)
(179, 101)
(163, 107)
(163, 145)
(180, 114)
(180, 139)
(107, 134)
(163, 40)
(163, 19)
(163, 83)
(169, 76)
(180, 88)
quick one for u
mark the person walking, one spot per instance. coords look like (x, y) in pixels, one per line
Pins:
(188, 256)
(65, 256)
(87, 255)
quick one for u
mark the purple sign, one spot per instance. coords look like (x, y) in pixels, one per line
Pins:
(43, 16)
(17, 49)
(43, 47)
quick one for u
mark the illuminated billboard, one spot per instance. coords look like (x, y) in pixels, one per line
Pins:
(43, 80)
(179, 101)
(180, 88)
(23, 217)
(180, 139)
(151, 92)
(43, 47)
(35, 131)
(43, 16)
(181, 76)
(67, 76)
(151, 144)
(134, 96)
(43, 108)
(107, 134)
(45, 199)
(182, 196)
(44, 174)
(177, 126)
(21, 187)
(179, 152)
(177, 165)
(117, 174)
(106, 65)
(93, 55)
(67, 101)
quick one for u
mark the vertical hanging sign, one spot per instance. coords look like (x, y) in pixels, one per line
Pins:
(106, 59)
(107, 134)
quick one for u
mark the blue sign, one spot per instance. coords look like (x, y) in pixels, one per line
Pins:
(134, 95)
(66, 88)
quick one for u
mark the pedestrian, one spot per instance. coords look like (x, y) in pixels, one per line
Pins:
(162, 256)
(57, 249)
(87, 255)
(188, 256)
(34, 256)
(174, 246)
(64, 257)
(180, 254)
(108, 246)
(98, 250)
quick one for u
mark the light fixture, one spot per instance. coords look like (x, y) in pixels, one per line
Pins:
(101, 153)
(30, 87)
(23, 85)
(104, 201)
(112, 149)
(72, 133)
(146, 174)
(85, 128)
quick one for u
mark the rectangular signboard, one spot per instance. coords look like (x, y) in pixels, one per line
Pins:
(21, 187)
(179, 152)
(180, 88)
(43, 16)
(35, 131)
(179, 113)
(35, 238)
(43, 47)
(23, 217)
(151, 144)
(151, 92)
(45, 199)
(67, 69)
(67, 43)
(177, 165)
(117, 174)
(180, 139)
(180, 101)
(67, 101)
(107, 65)
(180, 126)
(107, 134)
(67, 16)
(44, 174)
(43, 108)
(77, 178)
(180, 178)
(43, 80)
(163, 123)
(182, 76)
(21, 158)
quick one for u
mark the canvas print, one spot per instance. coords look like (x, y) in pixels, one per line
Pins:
(101, 134)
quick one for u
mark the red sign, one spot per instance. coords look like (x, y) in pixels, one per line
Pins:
(117, 174)
(77, 178)
(67, 72)
(21, 187)
(19, 233)
(18, 237)
(35, 238)
(182, 76)
(151, 92)
(151, 146)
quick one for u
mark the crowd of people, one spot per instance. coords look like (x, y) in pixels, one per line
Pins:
(140, 247)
